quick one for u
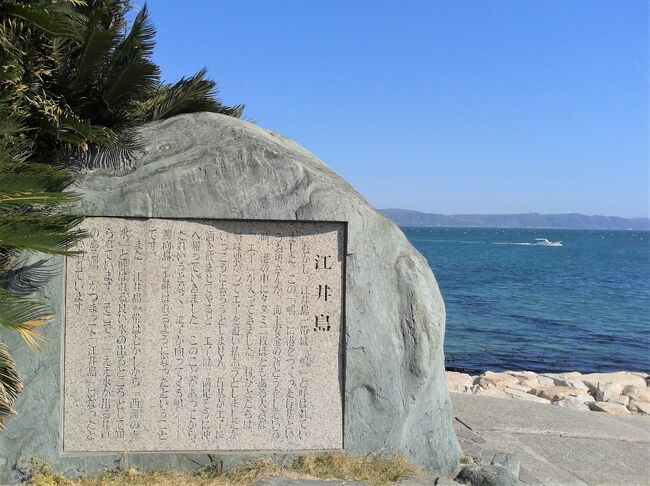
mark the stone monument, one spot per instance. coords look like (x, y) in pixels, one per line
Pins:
(140, 365)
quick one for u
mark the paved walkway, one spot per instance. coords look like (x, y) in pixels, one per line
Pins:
(557, 446)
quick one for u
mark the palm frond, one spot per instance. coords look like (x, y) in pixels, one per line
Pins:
(10, 384)
(7, 256)
(23, 200)
(97, 49)
(32, 177)
(55, 19)
(83, 133)
(46, 233)
(10, 125)
(69, 131)
(188, 95)
(76, 3)
(132, 73)
(137, 77)
(140, 40)
(34, 199)
(15, 146)
(24, 316)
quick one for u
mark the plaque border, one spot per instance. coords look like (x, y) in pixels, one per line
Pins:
(251, 452)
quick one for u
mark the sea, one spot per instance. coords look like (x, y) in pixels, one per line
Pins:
(515, 304)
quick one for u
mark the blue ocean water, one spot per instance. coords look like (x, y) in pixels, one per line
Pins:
(514, 305)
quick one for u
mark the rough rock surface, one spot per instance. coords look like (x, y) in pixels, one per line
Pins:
(641, 394)
(491, 379)
(639, 407)
(508, 460)
(555, 393)
(523, 395)
(572, 402)
(609, 407)
(212, 166)
(605, 392)
(566, 379)
(486, 475)
(622, 378)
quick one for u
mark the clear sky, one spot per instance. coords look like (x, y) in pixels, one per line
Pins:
(442, 106)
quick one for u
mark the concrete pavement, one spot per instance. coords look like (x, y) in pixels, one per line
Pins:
(559, 446)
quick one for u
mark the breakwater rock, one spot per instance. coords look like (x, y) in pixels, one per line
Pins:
(617, 393)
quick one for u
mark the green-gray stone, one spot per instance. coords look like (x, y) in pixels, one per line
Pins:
(212, 166)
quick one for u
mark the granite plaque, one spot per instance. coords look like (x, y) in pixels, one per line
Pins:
(204, 335)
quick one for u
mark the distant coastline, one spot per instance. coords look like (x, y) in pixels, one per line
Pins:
(408, 217)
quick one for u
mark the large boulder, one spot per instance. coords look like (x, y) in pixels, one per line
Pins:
(620, 378)
(212, 166)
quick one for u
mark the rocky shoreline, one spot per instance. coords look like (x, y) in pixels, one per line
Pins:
(617, 393)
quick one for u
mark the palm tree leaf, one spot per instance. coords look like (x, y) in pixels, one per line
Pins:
(59, 121)
(10, 384)
(96, 51)
(132, 73)
(24, 316)
(188, 95)
(137, 77)
(32, 177)
(76, 3)
(47, 233)
(17, 199)
(8, 374)
(15, 145)
(81, 133)
(7, 256)
(10, 125)
(140, 40)
(57, 19)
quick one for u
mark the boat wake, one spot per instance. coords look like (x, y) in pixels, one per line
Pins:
(513, 243)
(538, 242)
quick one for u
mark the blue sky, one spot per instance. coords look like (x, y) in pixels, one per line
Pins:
(441, 106)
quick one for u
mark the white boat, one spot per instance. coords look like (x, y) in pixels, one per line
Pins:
(545, 242)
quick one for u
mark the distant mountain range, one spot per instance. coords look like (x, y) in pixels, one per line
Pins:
(407, 217)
